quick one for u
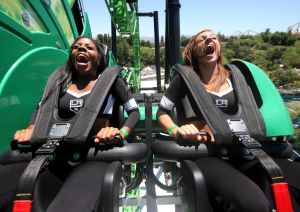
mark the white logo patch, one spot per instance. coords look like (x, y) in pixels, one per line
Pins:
(76, 104)
(222, 104)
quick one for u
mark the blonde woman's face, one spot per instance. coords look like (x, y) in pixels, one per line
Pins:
(207, 47)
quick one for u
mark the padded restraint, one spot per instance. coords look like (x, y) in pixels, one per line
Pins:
(255, 129)
(216, 119)
(79, 126)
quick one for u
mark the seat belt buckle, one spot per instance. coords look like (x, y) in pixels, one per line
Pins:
(249, 142)
(282, 197)
(22, 206)
(48, 148)
(241, 133)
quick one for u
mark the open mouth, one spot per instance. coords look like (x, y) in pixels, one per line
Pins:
(82, 59)
(210, 49)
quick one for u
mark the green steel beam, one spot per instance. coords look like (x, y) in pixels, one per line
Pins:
(127, 23)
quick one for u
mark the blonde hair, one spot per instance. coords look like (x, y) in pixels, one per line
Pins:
(191, 60)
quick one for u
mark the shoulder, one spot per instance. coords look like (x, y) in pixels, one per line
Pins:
(120, 87)
(177, 83)
(120, 82)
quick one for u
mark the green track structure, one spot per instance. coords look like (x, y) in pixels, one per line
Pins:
(127, 23)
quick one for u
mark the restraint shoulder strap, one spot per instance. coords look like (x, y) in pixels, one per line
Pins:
(247, 105)
(204, 103)
(90, 110)
(81, 124)
(216, 119)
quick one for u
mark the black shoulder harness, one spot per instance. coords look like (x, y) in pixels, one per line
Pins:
(219, 122)
(76, 130)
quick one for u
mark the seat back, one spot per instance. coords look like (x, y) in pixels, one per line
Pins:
(268, 99)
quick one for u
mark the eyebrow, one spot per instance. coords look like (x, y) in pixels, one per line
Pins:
(209, 35)
(86, 44)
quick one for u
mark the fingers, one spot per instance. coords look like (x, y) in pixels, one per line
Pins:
(23, 135)
(189, 132)
(106, 134)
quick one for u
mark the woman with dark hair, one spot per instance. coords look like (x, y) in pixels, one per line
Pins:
(229, 188)
(76, 186)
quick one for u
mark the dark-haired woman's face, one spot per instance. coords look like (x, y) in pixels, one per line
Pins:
(207, 47)
(85, 55)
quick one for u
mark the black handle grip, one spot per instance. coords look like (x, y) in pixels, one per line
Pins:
(118, 141)
(182, 140)
(14, 145)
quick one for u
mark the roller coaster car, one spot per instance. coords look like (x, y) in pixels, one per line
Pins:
(52, 135)
(190, 182)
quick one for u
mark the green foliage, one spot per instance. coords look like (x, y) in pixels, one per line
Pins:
(284, 78)
(104, 38)
(291, 57)
(147, 55)
(278, 54)
(124, 53)
(146, 44)
(184, 40)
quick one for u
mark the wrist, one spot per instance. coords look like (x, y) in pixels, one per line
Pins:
(171, 129)
(124, 133)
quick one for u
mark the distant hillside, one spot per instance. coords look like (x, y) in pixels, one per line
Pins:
(145, 38)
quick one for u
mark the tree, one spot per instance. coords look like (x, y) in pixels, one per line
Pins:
(146, 43)
(184, 40)
(284, 78)
(162, 41)
(124, 53)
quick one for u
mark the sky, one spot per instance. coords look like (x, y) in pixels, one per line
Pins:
(228, 17)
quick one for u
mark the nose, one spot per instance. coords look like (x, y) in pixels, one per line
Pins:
(208, 39)
(81, 48)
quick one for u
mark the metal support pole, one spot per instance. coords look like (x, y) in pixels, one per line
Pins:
(157, 47)
(113, 39)
(157, 51)
(150, 184)
(173, 17)
(167, 65)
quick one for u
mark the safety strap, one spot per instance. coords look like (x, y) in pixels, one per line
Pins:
(76, 130)
(215, 118)
(277, 182)
(24, 190)
(235, 129)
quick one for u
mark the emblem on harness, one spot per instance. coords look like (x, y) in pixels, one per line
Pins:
(222, 104)
(76, 104)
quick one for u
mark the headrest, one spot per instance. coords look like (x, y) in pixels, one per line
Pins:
(104, 51)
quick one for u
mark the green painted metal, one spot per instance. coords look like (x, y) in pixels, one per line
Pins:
(22, 12)
(132, 194)
(60, 11)
(127, 23)
(29, 53)
(143, 115)
(71, 2)
(273, 109)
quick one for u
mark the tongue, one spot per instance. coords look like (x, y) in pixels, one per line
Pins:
(209, 50)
